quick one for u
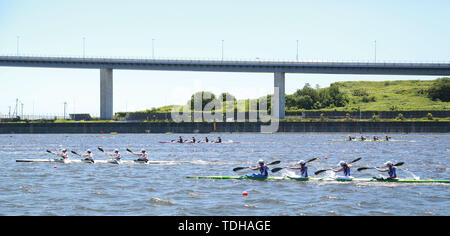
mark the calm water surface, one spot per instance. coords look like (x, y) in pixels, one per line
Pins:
(136, 189)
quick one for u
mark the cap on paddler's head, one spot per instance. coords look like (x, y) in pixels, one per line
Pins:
(302, 162)
(260, 161)
(388, 163)
(342, 163)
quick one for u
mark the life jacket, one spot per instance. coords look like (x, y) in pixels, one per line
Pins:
(392, 172)
(143, 156)
(346, 170)
(65, 155)
(264, 170)
(304, 172)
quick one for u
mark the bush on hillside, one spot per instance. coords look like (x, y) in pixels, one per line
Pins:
(440, 90)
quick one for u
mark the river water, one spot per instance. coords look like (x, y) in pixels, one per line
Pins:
(137, 189)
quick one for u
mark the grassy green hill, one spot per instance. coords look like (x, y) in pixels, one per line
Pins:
(402, 95)
(399, 95)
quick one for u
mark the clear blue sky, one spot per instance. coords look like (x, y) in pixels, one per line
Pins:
(409, 30)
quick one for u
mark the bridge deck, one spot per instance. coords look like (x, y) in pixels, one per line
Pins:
(380, 68)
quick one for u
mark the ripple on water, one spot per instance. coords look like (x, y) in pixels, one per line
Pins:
(193, 194)
(99, 189)
(328, 197)
(380, 213)
(159, 201)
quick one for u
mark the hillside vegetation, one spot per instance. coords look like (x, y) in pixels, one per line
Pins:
(399, 95)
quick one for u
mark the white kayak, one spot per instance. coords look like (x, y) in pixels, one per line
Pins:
(75, 161)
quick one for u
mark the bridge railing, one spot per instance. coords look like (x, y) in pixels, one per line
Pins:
(227, 61)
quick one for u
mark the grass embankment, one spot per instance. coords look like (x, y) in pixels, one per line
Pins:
(401, 95)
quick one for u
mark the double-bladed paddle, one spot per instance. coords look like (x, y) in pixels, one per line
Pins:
(279, 168)
(90, 160)
(321, 171)
(241, 168)
(138, 160)
(113, 161)
(75, 153)
(367, 168)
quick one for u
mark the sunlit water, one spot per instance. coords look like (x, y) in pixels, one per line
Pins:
(136, 189)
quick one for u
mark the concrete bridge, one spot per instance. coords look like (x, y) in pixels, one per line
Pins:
(279, 69)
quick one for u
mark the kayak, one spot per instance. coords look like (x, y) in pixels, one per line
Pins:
(197, 142)
(235, 177)
(341, 140)
(324, 179)
(75, 161)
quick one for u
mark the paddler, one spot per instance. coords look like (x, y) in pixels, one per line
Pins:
(390, 168)
(206, 140)
(344, 168)
(89, 156)
(64, 154)
(115, 156)
(388, 138)
(375, 138)
(363, 138)
(193, 140)
(143, 156)
(263, 170)
(180, 140)
(302, 167)
(219, 140)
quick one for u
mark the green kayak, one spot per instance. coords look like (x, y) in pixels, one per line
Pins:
(325, 179)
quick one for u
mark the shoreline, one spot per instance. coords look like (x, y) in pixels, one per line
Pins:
(224, 127)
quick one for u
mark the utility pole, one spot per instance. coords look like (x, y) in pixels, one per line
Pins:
(84, 47)
(16, 112)
(21, 116)
(375, 51)
(297, 50)
(18, 40)
(153, 48)
(222, 48)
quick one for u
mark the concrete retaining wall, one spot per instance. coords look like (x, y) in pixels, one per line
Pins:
(141, 127)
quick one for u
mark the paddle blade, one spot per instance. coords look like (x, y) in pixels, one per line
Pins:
(319, 172)
(49, 151)
(311, 160)
(101, 149)
(239, 168)
(399, 164)
(274, 170)
(74, 152)
(274, 163)
(129, 150)
(355, 160)
(364, 168)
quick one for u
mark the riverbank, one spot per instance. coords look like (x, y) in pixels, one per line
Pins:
(224, 127)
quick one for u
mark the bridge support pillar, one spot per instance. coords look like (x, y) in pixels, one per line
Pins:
(106, 94)
(278, 99)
